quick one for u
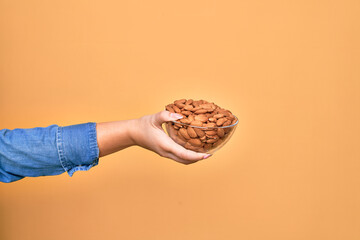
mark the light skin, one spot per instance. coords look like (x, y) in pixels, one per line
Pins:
(145, 132)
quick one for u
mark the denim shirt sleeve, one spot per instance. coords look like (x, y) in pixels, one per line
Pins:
(47, 151)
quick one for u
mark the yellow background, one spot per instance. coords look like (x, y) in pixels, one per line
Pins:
(290, 70)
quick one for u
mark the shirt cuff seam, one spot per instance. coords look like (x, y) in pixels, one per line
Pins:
(93, 150)
(60, 149)
(93, 145)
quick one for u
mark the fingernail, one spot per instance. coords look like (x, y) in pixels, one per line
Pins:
(207, 156)
(176, 115)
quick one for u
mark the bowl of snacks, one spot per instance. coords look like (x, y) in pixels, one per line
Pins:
(205, 127)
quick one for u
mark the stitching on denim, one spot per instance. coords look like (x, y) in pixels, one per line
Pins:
(84, 167)
(94, 149)
(60, 149)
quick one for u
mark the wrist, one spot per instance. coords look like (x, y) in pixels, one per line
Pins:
(133, 130)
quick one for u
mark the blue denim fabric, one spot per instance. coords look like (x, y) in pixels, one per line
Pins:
(47, 151)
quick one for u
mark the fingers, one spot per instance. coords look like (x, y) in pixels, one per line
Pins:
(177, 159)
(183, 153)
(165, 116)
(172, 149)
(190, 155)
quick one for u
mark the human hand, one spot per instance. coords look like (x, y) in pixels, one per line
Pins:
(148, 133)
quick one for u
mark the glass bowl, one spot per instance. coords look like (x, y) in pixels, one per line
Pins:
(200, 139)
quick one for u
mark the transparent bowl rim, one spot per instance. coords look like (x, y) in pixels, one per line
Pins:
(186, 124)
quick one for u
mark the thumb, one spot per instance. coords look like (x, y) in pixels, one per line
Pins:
(165, 116)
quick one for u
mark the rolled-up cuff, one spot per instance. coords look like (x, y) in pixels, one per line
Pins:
(77, 147)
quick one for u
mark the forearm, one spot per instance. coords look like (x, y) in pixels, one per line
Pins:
(115, 136)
